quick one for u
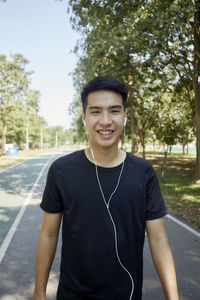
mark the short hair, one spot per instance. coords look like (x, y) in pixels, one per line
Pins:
(104, 83)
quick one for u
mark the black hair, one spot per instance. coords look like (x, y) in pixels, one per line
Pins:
(104, 83)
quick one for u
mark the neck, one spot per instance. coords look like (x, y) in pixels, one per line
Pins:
(106, 157)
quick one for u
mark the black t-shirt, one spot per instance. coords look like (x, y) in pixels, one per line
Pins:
(89, 265)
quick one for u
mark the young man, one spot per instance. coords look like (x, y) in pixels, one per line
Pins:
(107, 198)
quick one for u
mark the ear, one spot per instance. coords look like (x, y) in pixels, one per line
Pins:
(83, 119)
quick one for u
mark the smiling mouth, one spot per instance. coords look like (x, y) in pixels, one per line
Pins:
(105, 132)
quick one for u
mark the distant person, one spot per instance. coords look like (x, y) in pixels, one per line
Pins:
(106, 199)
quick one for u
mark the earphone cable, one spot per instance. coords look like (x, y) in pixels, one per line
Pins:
(113, 223)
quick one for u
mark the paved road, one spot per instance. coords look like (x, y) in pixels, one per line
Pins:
(15, 183)
(17, 266)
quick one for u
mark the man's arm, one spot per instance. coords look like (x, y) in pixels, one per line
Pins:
(45, 252)
(162, 257)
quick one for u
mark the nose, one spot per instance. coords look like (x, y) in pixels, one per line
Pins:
(105, 119)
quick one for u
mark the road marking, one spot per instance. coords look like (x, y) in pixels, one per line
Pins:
(183, 225)
(15, 224)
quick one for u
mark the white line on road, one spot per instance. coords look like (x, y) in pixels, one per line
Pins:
(15, 224)
(183, 225)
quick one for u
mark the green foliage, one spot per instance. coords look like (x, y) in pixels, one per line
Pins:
(63, 136)
(19, 105)
(150, 46)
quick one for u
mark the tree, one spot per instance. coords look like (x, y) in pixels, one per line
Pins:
(32, 121)
(107, 48)
(19, 105)
(140, 41)
(55, 136)
(171, 31)
(13, 83)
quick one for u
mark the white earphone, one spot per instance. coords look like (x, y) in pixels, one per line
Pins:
(107, 204)
(84, 123)
(125, 120)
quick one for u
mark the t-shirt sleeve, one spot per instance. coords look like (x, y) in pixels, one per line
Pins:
(155, 204)
(52, 199)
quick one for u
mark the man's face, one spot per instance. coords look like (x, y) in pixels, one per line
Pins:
(104, 117)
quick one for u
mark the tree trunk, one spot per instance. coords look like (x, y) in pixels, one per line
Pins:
(165, 149)
(170, 149)
(196, 84)
(143, 142)
(27, 137)
(143, 148)
(132, 114)
(3, 139)
(183, 145)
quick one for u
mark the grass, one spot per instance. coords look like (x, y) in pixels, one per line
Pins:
(181, 192)
(7, 161)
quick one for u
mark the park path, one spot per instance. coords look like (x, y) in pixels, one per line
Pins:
(15, 184)
(17, 266)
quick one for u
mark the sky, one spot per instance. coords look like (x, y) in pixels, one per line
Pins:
(40, 30)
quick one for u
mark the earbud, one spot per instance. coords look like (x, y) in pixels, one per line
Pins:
(125, 120)
(84, 123)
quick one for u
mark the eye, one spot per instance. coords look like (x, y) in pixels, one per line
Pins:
(95, 112)
(115, 111)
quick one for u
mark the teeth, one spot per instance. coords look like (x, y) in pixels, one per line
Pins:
(105, 131)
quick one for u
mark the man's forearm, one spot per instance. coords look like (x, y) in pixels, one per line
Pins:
(44, 258)
(162, 257)
(164, 264)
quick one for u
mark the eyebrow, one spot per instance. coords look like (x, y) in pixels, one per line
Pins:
(100, 107)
